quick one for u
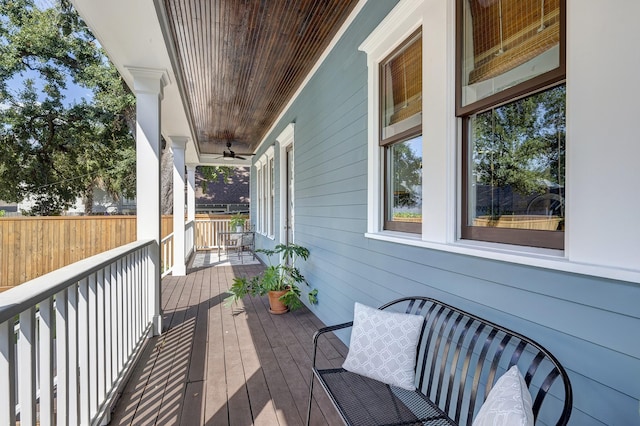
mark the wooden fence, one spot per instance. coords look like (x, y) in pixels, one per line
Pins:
(33, 246)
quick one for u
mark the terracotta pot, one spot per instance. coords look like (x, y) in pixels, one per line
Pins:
(276, 306)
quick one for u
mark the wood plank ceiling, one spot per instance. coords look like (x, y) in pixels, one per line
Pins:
(242, 60)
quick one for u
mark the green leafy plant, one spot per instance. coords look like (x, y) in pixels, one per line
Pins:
(214, 174)
(237, 220)
(283, 276)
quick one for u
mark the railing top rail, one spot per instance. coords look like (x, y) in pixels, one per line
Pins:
(24, 296)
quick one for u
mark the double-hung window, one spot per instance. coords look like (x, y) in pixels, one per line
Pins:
(511, 98)
(265, 194)
(401, 135)
(395, 76)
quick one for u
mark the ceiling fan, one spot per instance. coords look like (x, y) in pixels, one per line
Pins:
(231, 155)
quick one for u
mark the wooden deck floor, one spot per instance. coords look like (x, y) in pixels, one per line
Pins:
(216, 365)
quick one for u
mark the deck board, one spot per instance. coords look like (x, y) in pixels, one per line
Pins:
(219, 365)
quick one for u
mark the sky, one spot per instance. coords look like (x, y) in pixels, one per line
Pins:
(73, 93)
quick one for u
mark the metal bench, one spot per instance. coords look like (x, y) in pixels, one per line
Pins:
(460, 356)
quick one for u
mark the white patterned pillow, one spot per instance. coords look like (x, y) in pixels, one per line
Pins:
(383, 346)
(508, 403)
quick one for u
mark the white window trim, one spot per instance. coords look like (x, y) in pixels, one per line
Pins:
(258, 166)
(398, 26)
(264, 211)
(285, 139)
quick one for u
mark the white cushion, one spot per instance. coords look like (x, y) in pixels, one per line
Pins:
(508, 403)
(383, 346)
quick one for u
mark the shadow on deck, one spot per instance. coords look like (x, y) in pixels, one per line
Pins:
(215, 365)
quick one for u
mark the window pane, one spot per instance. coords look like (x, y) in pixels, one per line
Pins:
(402, 89)
(404, 181)
(506, 42)
(517, 169)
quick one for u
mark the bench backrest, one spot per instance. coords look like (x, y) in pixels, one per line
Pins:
(460, 357)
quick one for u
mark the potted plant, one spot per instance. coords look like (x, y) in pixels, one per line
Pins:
(237, 222)
(281, 281)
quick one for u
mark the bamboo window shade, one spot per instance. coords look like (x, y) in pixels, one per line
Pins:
(402, 83)
(508, 33)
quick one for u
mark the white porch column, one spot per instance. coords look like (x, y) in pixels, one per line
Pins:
(178, 145)
(148, 85)
(191, 192)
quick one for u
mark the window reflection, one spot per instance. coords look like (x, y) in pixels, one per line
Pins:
(517, 170)
(405, 175)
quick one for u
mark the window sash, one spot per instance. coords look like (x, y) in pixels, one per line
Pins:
(401, 91)
(500, 226)
(538, 83)
(521, 89)
(408, 225)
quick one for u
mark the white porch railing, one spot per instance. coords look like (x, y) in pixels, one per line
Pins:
(166, 252)
(69, 338)
(166, 248)
(189, 239)
(208, 230)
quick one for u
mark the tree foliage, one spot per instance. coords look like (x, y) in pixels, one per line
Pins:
(407, 173)
(214, 174)
(55, 150)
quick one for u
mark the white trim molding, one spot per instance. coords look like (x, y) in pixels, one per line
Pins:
(265, 205)
(399, 24)
(284, 140)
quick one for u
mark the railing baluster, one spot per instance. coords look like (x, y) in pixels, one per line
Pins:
(100, 343)
(83, 351)
(108, 323)
(115, 321)
(27, 367)
(73, 364)
(132, 305)
(93, 345)
(62, 359)
(141, 276)
(145, 287)
(46, 362)
(129, 293)
(7, 374)
(122, 320)
(139, 321)
(134, 297)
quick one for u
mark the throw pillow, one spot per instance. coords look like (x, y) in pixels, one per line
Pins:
(383, 346)
(508, 403)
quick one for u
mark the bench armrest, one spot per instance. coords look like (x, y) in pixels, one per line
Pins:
(323, 330)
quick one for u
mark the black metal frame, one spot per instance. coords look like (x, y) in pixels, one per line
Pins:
(460, 356)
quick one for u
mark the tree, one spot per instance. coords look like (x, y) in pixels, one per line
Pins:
(214, 174)
(407, 173)
(55, 150)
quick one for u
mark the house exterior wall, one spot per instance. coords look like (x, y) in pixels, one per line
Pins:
(588, 321)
